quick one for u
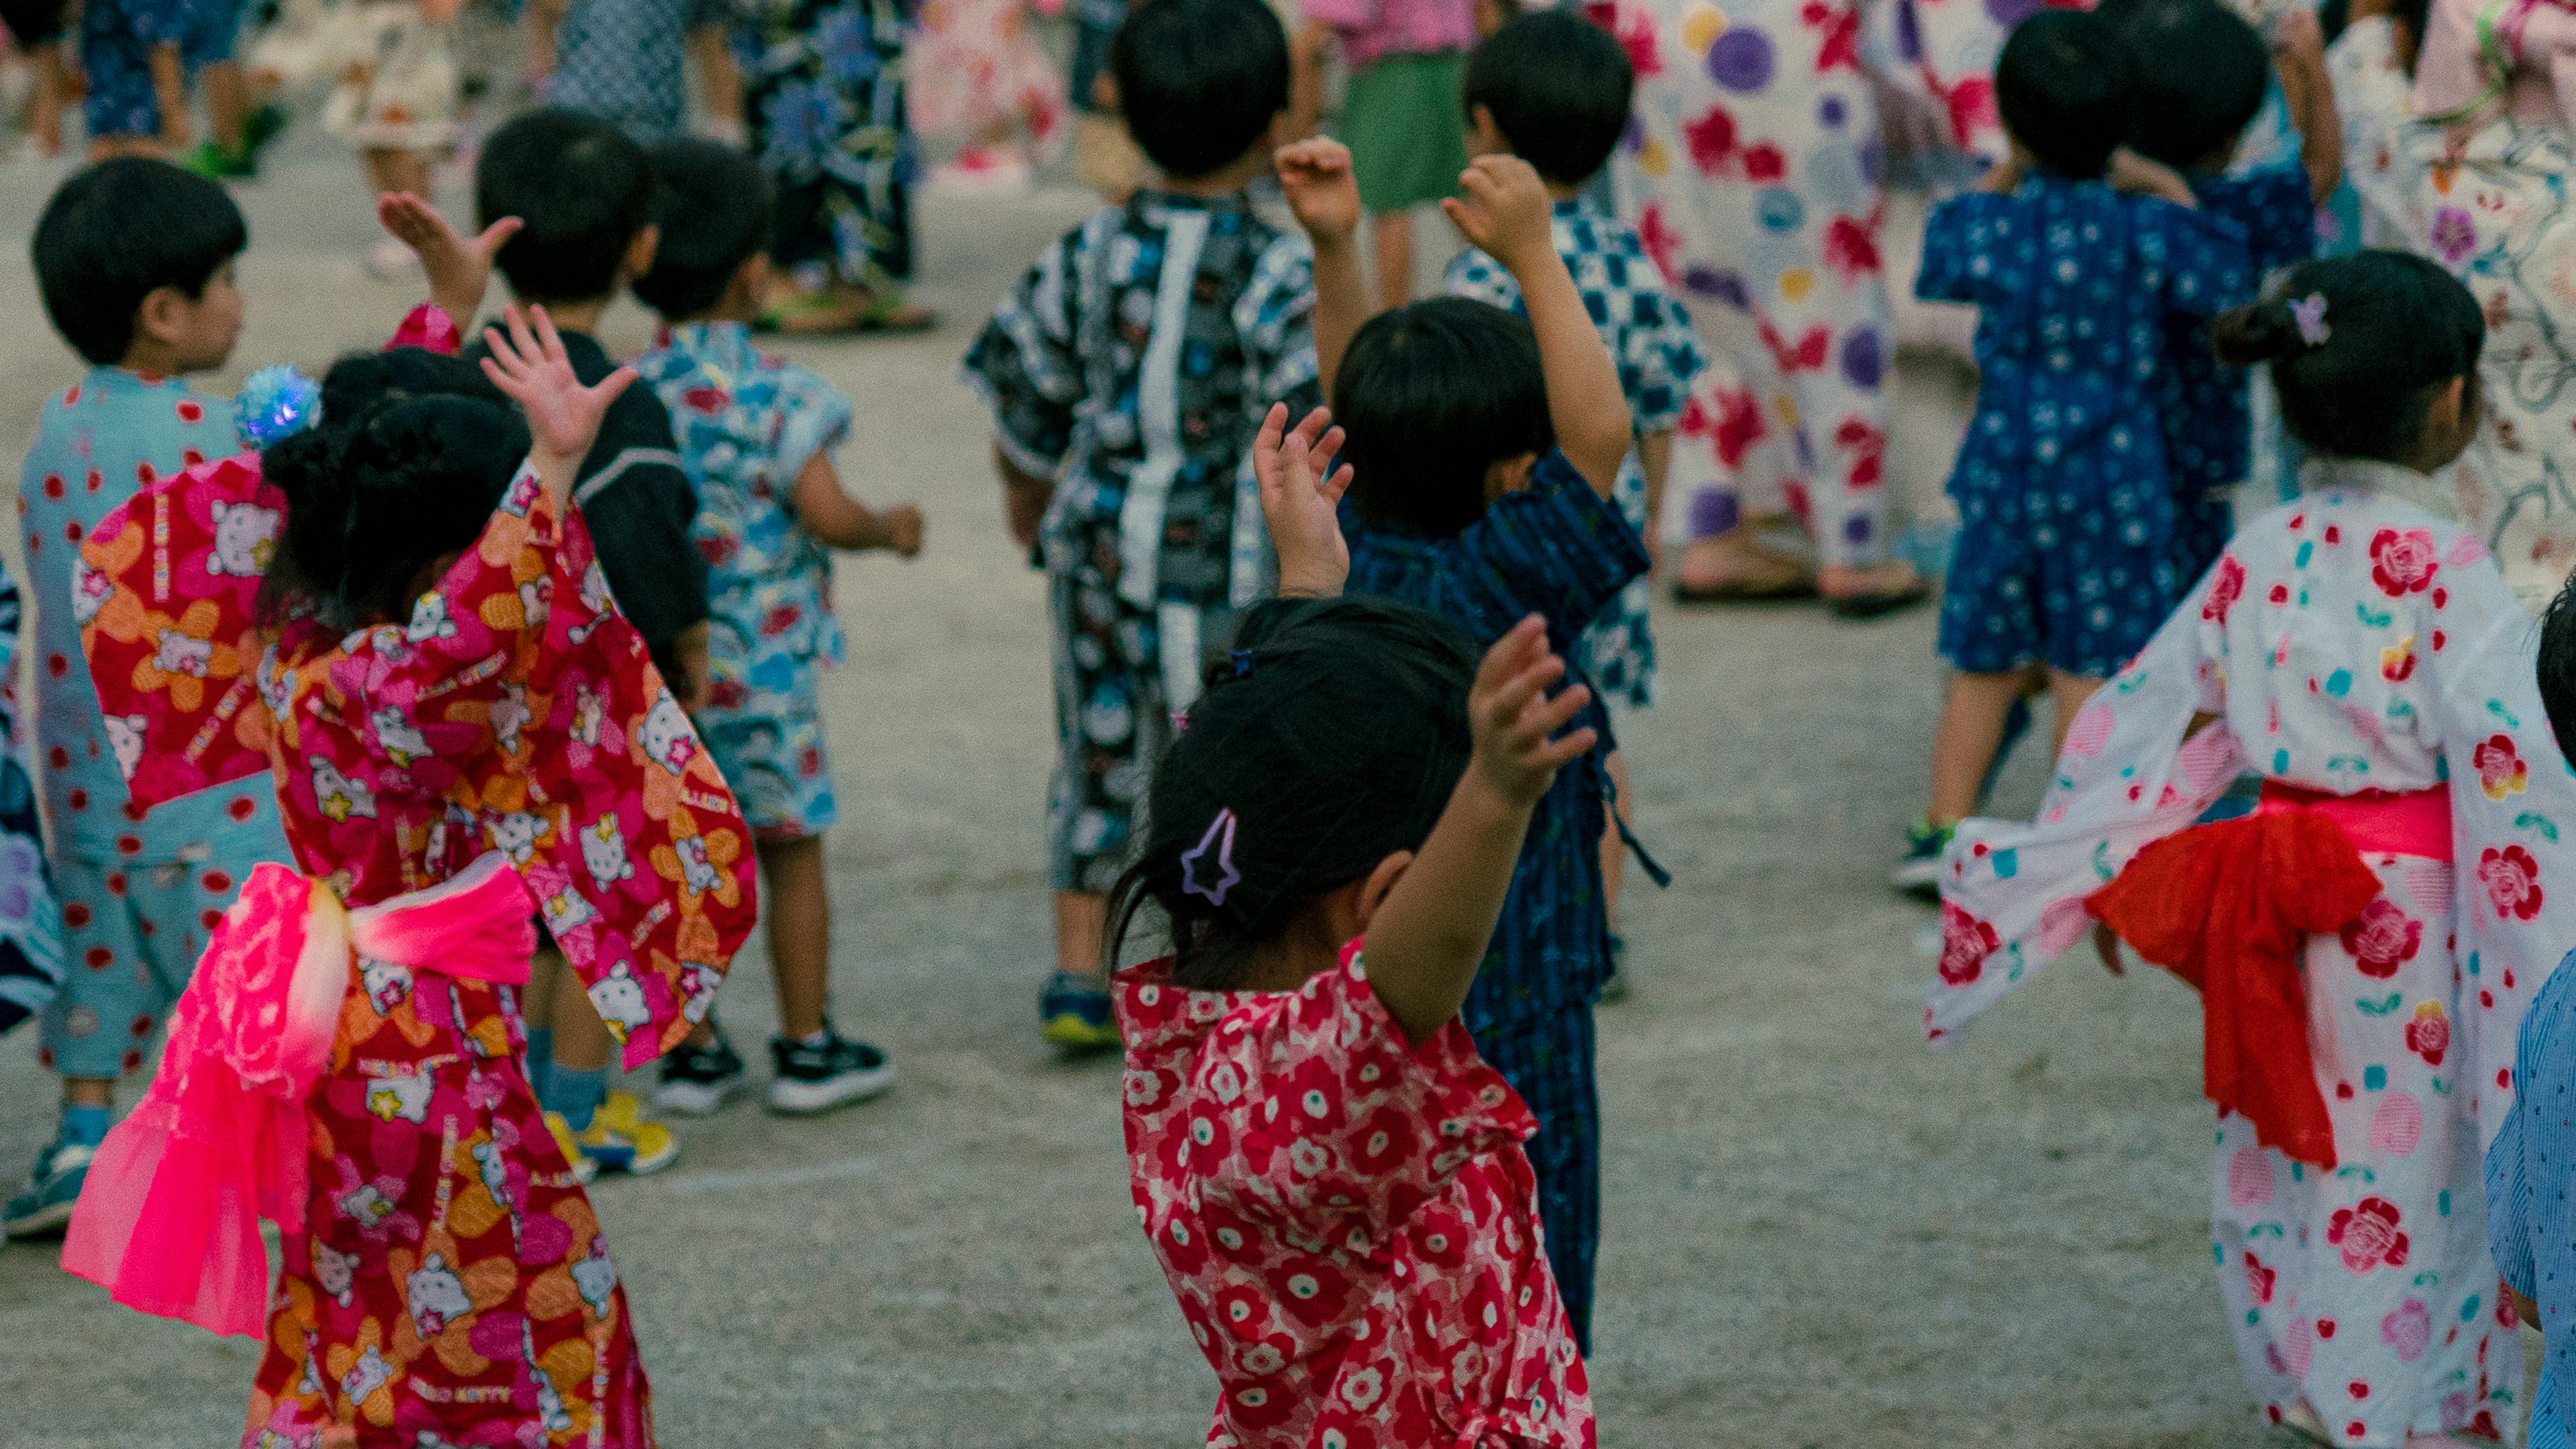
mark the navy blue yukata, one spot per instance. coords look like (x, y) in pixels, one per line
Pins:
(2208, 409)
(1562, 551)
(2066, 511)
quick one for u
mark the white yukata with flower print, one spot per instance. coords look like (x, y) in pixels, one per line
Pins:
(2348, 641)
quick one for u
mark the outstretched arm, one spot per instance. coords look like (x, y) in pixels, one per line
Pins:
(459, 270)
(2299, 53)
(1505, 210)
(530, 367)
(1301, 495)
(1325, 195)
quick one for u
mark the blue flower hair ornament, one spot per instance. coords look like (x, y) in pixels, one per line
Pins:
(275, 403)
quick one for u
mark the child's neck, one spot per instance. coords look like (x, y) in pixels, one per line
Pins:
(743, 315)
(574, 316)
(147, 358)
(1559, 192)
(1226, 182)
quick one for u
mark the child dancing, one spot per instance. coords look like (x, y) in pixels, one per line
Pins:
(2066, 514)
(463, 732)
(2365, 941)
(759, 432)
(1332, 1178)
(1127, 375)
(1487, 448)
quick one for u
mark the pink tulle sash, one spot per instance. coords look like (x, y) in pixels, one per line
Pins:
(168, 1220)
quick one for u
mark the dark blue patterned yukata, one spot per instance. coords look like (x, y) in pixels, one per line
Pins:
(1562, 551)
(2208, 410)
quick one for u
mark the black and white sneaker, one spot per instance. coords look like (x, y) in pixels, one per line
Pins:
(820, 1078)
(697, 1081)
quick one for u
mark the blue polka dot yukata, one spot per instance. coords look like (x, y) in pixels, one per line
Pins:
(139, 889)
(117, 39)
(1650, 337)
(748, 424)
(2066, 510)
(1753, 172)
(2347, 643)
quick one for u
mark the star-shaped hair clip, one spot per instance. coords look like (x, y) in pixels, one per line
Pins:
(1218, 841)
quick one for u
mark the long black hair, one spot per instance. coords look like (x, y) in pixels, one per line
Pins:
(2390, 329)
(1329, 741)
(409, 460)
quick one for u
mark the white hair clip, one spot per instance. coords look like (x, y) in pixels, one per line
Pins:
(2309, 312)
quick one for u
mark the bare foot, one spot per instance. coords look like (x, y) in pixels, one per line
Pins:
(1842, 581)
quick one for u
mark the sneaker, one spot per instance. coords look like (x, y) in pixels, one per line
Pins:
(619, 1140)
(583, 1169)
(697, 1081)
(46, 1205)
(820, 1078)
(1074, 1013)
(1919, 873)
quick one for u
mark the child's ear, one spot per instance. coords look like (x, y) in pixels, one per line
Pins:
(1373, 892)
(1484, 138)
(639, 252)
(162, 315)
(1508, 475)
(751, 281)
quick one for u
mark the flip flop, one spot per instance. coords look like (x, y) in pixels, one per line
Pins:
(1789, 589)
(1858, 608)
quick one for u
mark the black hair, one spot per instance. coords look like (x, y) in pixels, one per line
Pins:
(1559, 88)
(2396, 329)
(1431, 396)
(1199, 81)
(117, 232)
(2558, 666)
(582, 188)
(715, 208)
(409, 460)
(2197, 75)
(1334, 736)
(2062, 84)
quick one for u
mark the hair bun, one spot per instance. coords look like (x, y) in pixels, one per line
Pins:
(2260, 333)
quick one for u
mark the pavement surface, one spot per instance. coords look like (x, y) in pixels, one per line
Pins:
(1817, 1232)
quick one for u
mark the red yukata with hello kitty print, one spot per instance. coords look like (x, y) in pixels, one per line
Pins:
(452, 1285)
(1348, 1221)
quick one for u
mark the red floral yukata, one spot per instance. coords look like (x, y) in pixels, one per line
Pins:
(1348, 1221)
(452, 1286)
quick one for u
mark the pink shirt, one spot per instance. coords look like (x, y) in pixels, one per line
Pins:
(1371, 30)
(1348, 1221)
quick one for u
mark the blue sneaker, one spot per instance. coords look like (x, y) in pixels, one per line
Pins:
(46, 1205)
(1074, 1013)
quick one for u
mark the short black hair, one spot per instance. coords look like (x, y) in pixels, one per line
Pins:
(1199, 81)
(117, 232)
(715, 208)
(2197, 75)
(1431, 396)
(2394, 327)
(1559, 88)
(2062, 84)
(1332, 738)
(410, 458)
(2558, 666)
(584, 191)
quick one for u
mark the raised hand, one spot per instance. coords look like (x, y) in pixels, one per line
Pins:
(1505, 211)
(459, 270)
(530, 367)
(1322, 190)
(1514, 721)
(1301, 493)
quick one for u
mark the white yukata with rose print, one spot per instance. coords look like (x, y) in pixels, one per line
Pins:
(2347, 641)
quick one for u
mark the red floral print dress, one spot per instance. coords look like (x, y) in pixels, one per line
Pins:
(1348, 1221)
(452, 1286)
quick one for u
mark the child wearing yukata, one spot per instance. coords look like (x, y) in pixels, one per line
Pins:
(759, 433)
(2200, 73)
(433, 672)
(1126, 375)
(1564, 83)
(2372, 65)
(31, 943)
(620, 60)
(980, 77)
(133, 76)
(134, 258)
(1400, 113)
(2064, 556)
(1487, 447)
(2365, 941)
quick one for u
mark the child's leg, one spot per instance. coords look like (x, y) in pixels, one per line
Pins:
(392, 169)
(1614, 852)
(1965, 741)
(45, 105)
(720, 78)
(796, 901)
(2070, 691)
(1394, 257)
(227, 105)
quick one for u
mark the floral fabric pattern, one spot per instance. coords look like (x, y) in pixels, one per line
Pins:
(31, 948)
(1753, 172)
(2368, 1291)
(1348, 1221)
(976, 67)
(826, 105)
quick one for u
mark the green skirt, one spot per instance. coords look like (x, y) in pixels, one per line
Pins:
(1402, 119)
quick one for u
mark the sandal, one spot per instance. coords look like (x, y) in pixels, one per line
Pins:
(1879, 603)
(1787, 589)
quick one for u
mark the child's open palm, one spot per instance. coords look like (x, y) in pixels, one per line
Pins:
(458, 270)
(1504, 209)
(530, 366)
(1301, 493)
(1513, 720)
(1322, 190)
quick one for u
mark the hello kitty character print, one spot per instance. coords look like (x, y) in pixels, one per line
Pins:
(434, 1293)
(1349, 1222)
(2366, 1293)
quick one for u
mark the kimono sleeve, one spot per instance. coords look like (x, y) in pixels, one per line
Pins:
(1968, 247)
(2012, 893)
(2276, 208)
(2199, 261)
(1662, 357)
(1359, 1127)
(1275, 317)
(1026, 364)
(2513, 800)
(1555, 548)
(813, 419)
(1479, 278)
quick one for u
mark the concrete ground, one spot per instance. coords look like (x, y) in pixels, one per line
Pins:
(1817, 1232)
